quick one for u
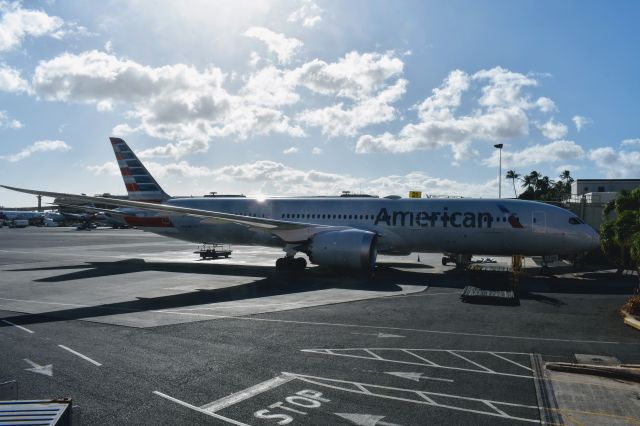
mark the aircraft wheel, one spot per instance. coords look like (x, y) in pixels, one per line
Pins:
(300, 263)
(445, 261)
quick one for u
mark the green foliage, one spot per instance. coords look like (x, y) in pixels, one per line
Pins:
(633, 305)
(540, 187)
(620, 236)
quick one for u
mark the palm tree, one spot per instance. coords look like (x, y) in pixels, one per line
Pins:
(566, 178)
(530, 182)
(511, 174)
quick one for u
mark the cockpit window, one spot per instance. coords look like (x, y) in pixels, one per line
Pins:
(575, 221)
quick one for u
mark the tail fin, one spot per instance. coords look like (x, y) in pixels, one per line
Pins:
(141, 186)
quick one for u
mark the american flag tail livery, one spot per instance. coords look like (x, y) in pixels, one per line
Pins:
(141, 186)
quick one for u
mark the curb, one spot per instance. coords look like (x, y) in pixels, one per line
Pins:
(630, 320)
(614, 372)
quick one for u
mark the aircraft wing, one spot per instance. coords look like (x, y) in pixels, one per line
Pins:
(291, 232)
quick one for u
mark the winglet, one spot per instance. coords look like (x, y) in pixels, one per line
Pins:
(141, 186)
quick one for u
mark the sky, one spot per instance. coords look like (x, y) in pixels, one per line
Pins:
(312, 97)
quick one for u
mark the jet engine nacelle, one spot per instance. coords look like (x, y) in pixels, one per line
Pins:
(349, 248)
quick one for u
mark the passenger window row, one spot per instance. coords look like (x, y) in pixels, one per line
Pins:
(326, 216)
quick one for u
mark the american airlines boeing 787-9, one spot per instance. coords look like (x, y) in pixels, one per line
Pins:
(347, 232)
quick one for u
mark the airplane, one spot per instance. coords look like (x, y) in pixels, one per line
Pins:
(340, 232)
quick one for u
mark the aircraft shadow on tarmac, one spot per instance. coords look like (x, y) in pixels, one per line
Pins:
(270, 282)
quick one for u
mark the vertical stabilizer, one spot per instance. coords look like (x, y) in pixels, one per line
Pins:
(141, 186)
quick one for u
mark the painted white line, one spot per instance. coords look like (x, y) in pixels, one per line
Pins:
(493, 407)
(246, 393)
(426, 398)
(339, 352)
(372, 354)
(416, 377)
(472, 362)
(419, 357)
(86, 358)
(369, 327)
(18, 326)
(511, 361)
(200, 410)
(388, 393)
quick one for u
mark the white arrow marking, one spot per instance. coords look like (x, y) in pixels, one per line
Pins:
(47, 370)
(365, 419)
(416, 377)
(382, 335)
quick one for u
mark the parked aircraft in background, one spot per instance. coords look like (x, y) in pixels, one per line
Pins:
(31, 217)
(348, 232)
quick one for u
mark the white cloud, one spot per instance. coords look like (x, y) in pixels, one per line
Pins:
(504, 88)
(285, 48)
(11, 81)
(581, 121)
(571, 167)
(340, 121)
(189, 107)
(39, 146)
(174, 102)
(501, 114)
(271, 86)
(8, 123)
(355, 76)
(553, 130)
(631, 142)
(109, 168)
(17, 24)
(457, 133)
(291, 150)
(277, 179)
(254, 59)
(316, 150)
(175, 150)
(546, 105)
(309, 14)
(431, 186)
(562, 150)
(445, 99)
(616, 164)
(94, 76)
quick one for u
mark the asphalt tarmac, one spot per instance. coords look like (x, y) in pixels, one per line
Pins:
(137, 330)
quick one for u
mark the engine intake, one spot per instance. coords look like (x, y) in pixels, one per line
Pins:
(349, 248)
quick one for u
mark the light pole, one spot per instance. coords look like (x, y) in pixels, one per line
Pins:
(499, 146)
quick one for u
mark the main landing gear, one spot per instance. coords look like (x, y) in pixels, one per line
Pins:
(461, 260)
(290, 263)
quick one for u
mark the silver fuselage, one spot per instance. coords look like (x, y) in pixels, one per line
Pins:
(472, 226)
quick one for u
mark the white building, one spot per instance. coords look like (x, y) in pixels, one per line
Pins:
(583, 186)
(590, 196)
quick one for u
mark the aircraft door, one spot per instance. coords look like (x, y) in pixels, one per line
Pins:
(539, 221)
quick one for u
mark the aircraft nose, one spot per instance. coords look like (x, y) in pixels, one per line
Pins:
(595, 240)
